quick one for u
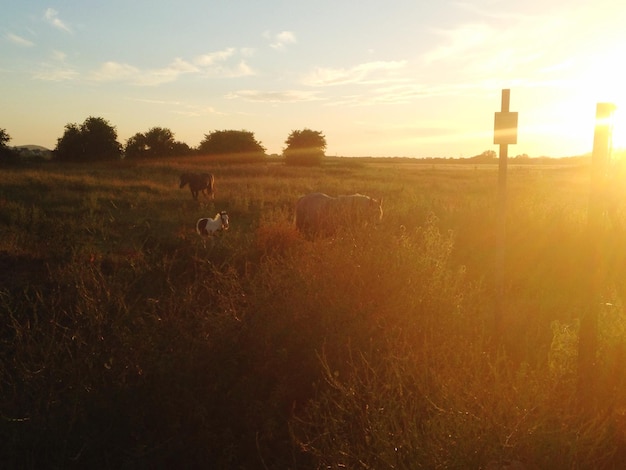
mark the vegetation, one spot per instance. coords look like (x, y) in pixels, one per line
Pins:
(6, 154)
(305, 147)
(5, 138)
(129, 341)
(239, 145)
(158, 142)
(94, 140)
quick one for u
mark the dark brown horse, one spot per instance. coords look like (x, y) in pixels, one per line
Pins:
(197, 182)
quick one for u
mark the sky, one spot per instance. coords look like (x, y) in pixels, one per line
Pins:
(388, 78)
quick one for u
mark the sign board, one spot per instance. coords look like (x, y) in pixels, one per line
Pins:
(505, 128)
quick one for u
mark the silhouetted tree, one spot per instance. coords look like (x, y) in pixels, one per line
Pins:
(5, 138)
(7, 154)
(157, 142)
(305, 147)
(94, 140)
(487, 156)
(136, 146)
(233, 143)
(181, 148)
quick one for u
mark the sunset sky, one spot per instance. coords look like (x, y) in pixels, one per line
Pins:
(379, 78)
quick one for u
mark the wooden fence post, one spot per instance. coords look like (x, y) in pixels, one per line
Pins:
(594, 264)
(505, 133)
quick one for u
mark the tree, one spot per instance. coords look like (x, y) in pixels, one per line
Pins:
(4, 138)
(6, 153)
(229, 142)
(94, 140)
(305, 147)
(136, 146)
(488, 156)
(181, 148)
(157, 142)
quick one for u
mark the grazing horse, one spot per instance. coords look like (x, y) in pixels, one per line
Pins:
(320, 214)
(197, 182)
(206, 226)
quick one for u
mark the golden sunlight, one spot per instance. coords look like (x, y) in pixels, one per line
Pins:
(619, 128)
(600, 81)
(604, 83)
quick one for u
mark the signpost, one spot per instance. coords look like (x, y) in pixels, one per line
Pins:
(505, 133)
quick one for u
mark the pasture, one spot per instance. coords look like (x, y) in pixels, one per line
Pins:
(128, 341)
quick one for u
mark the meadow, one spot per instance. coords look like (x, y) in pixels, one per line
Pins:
(128, 341)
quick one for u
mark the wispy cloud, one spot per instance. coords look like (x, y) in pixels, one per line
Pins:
(181, 108)
(215, 64)
(213, 58)
(227, 63)
(504, 45)
(404, 93)
(280, 40)
(19, 40)
(190, 110)
(119, 72)
(56, 73)
(59, 55)
(52, 17)
(114, 71)
(57, 70)
(361, 73)
(459, 40)
(282, 96)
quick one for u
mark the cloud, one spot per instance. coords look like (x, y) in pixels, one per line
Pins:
(241, 70)
(283, 96)
(114, 71)
(361, 73)
(57, 71)
(222, 63)
(53, 73)
(212, 64)
(19, 40)
(197, 111)
(459, 40)
(505, 44)
(404, 93)
(281, 40)
(59, 55)
(51, 16)
(167, 74)
(180, 108)
(213, 58)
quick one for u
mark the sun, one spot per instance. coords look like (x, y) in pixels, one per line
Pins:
(604, 83)
(599, 79)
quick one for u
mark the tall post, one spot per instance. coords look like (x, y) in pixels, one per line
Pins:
(505, 133)
(594, 264)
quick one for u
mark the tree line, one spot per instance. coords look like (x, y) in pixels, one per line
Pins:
(96, 140)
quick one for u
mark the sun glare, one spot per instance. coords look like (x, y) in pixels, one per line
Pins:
(619, 128)
(573, 114)
(605, 84)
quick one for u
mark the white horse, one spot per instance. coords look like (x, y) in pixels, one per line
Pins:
(320, 214)
(206, 226)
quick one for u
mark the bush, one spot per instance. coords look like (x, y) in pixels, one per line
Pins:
(304, 157)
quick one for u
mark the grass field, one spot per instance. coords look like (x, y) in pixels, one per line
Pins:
(127, 341)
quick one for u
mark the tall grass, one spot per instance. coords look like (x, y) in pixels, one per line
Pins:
(129, 341)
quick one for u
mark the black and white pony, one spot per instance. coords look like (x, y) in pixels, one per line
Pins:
(199, 182)
(321, 214)
(206, 226)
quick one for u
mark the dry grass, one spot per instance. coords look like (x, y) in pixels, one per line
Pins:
(128, 341)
